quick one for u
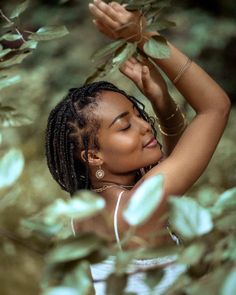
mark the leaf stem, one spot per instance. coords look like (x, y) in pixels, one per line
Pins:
(10, 22)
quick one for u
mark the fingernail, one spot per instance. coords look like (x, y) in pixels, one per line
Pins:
(91, 5)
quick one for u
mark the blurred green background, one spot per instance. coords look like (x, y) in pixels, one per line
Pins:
(206, 31)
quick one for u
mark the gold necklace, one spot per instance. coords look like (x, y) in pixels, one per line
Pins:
(107, 186)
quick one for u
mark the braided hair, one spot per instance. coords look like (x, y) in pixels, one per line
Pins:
(71, 128)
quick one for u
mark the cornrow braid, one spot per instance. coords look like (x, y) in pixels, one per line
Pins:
(71, 128)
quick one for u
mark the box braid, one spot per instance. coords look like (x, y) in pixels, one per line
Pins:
(72, 128)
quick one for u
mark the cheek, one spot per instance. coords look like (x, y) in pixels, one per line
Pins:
(121, 144)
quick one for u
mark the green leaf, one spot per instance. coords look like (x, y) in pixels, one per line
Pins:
(19, 9)
(74, 249)
(229, 286)
(5, 82)
(83, 205)
(11, 167)
(227, 200)
(14, 120)
(108, 49)
(80, 279)
(157, 47)
(116, 284)
(144, 201)
(16, 59)
(192, 254)
(31, 44)
(125, 53)
(188, 218)
(49, 33)
(4, 52)
(160, 25)
(153, 277)
(11, 37)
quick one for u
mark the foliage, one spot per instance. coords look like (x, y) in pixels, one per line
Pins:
(117, 52)
(10, 57)
(37, 84)
(207, 252)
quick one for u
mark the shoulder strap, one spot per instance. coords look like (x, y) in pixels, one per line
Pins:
(116, 221)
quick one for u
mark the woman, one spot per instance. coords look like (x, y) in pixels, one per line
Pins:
(100, 138)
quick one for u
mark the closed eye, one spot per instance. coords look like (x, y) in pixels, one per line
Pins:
(126, 128)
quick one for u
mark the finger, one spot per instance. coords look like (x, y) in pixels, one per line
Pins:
(145, 77)
(103, 29)
(118, 7)
(133, 60)
(109, 10)
(100, 15)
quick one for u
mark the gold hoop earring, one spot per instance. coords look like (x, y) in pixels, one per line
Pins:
(100, 173)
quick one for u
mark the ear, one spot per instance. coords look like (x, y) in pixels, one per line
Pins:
(94, 157)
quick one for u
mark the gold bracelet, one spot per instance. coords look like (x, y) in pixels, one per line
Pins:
(183, 124)
(182, 70)
(173, 114)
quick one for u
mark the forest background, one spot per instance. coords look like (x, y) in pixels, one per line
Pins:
(206, 31)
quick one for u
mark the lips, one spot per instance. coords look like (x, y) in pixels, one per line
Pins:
(151, 143)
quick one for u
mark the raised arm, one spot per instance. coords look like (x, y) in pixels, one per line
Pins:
(199, 140)
(143, 73)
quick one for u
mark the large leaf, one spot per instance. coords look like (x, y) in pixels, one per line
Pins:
(11, 167)
(188, 218)
(157, 47)
(19, 9)
(74, 249)
(122, 55)
(83, 205)
(108, 49)
(144, 201)
(49, 33)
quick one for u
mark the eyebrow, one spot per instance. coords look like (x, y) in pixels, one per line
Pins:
(120, 116)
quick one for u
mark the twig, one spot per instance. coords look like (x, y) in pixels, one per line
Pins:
(10, 22)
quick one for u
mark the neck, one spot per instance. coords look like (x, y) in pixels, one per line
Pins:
(127, 180)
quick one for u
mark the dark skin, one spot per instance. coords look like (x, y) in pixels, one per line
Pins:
(122, 152)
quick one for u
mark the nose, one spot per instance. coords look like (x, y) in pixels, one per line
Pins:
(144, 125)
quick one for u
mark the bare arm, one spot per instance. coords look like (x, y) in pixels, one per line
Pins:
(194, 149)
(145, 74)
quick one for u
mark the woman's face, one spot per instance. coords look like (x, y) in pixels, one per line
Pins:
(126, 140)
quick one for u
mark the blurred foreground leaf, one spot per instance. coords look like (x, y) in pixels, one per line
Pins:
(188, 218)
(49, 33)
(144, 201)
(11, 167)
(19, 9)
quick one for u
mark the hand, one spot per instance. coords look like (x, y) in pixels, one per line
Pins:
(149, 81)
(114, 21)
